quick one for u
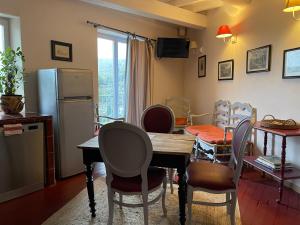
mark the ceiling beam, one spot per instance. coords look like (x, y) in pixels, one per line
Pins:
(165, 0)
(155, 10)
(238, 2)
(181, 3)
(204, 5)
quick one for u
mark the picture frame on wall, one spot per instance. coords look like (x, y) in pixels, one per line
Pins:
(291, 63)
(202, 66)
(226, 70)
(61, 51)
(259, 59)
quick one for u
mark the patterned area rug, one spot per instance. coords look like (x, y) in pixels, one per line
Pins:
(76, 212)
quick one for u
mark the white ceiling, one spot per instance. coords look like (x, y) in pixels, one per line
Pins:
(186, 13)
(199, 6)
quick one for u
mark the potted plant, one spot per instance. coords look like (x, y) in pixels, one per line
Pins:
(10, 79)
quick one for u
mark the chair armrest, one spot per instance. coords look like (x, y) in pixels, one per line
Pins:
(226, 129)
(229, 128)
(197, 115)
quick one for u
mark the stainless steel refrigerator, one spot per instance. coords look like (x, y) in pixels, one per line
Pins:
(67, 95)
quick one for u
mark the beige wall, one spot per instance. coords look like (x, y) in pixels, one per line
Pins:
(65, 20)
(261, 23)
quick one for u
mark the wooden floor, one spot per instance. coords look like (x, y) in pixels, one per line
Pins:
(256, 200)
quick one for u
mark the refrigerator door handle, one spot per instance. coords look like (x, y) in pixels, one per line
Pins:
(77, 100)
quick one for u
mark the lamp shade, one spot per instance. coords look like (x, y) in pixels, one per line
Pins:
(193, 45)
(291, 5)
(224, 32)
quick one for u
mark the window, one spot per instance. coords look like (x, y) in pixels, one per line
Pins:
(112, 51)
(3, 34)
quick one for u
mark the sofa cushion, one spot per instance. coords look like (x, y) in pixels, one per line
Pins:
(210, 133)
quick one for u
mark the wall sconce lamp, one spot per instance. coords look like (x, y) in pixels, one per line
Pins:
(194, 47)
(225, 33)
(292, 6)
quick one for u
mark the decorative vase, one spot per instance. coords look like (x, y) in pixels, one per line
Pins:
(12, 104)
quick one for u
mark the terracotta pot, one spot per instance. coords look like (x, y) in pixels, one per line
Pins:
(12, 104)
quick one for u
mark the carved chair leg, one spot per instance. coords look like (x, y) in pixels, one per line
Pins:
(228, 205)
(110, 206)
(171, 175)
(121, 199)
(233, 206)
(189, 204)
(163, 199)
(145, 206)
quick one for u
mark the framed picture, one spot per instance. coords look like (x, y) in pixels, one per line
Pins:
(202, 66)
(291, 63)
(61, 51)
(259, 59)
(225, 70)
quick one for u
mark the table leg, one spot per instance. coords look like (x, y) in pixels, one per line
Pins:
(282, 169)
(90, 187)
(265, 142)
(182, 194)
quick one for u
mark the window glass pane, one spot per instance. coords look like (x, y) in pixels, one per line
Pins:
(2, 43)
(121, 78)
(106, 78)
(111, 72)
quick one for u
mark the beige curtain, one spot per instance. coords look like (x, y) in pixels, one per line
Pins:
(140, 79)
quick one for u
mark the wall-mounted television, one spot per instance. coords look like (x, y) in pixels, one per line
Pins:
(172, 48)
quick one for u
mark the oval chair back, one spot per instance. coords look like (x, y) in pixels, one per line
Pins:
(241, 135)
(126, 149)
(158, 119)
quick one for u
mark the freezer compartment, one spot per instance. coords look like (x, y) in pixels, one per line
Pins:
(22, 162)
(74, 83)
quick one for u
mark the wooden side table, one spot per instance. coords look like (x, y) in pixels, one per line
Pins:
(281, 175)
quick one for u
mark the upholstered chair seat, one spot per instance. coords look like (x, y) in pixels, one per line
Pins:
(134, 184)
(211, 176)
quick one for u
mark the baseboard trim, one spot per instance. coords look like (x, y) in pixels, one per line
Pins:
(292, 185)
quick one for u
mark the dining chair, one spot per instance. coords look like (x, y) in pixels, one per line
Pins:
(182, 109)
(217, 178)
(159, 119)
(127, 151)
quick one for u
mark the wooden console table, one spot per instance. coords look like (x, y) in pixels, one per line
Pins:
(281, 175)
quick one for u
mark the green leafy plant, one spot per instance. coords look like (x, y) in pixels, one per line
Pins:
(10, 70)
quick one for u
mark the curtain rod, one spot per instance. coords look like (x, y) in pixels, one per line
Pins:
(95, 25)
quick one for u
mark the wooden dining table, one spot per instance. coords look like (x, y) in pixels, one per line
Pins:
(169, 150)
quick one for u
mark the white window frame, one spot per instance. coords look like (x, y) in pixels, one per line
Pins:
(5, 23)
(115, 37)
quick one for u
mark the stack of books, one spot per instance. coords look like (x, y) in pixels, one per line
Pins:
(273, 163)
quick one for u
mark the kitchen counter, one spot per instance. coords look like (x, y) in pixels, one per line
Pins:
(22, 118)
(26, 118)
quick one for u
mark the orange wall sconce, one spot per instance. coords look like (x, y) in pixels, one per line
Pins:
(225, 33)
(292, 6)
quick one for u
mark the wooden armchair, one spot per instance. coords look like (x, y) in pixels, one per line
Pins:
(181, 108)
(182, 111)
(213, 141)
(238, 112)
